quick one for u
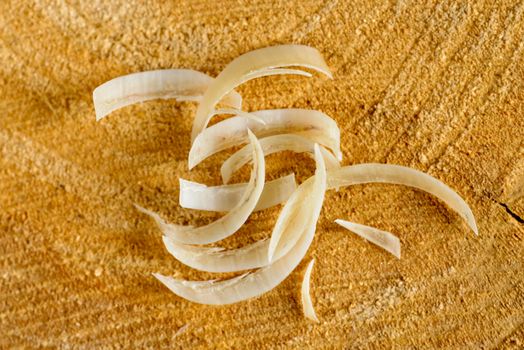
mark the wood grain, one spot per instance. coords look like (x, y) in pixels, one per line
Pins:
(432, 85)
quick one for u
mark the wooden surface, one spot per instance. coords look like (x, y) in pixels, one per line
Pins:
(433, 85)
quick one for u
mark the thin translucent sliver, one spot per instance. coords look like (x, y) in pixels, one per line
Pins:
(179, 84)
(274, 144)
(384, 239)
(401, 175)
(307, 303)
(232, 220)
(223, 198)
(263, 59)
(231, 132)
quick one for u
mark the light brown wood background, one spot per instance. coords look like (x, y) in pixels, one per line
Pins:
(436, 85)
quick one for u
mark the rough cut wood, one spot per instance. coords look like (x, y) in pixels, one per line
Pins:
(436, 85)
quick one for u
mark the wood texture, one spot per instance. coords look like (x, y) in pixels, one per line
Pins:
(436, 85)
